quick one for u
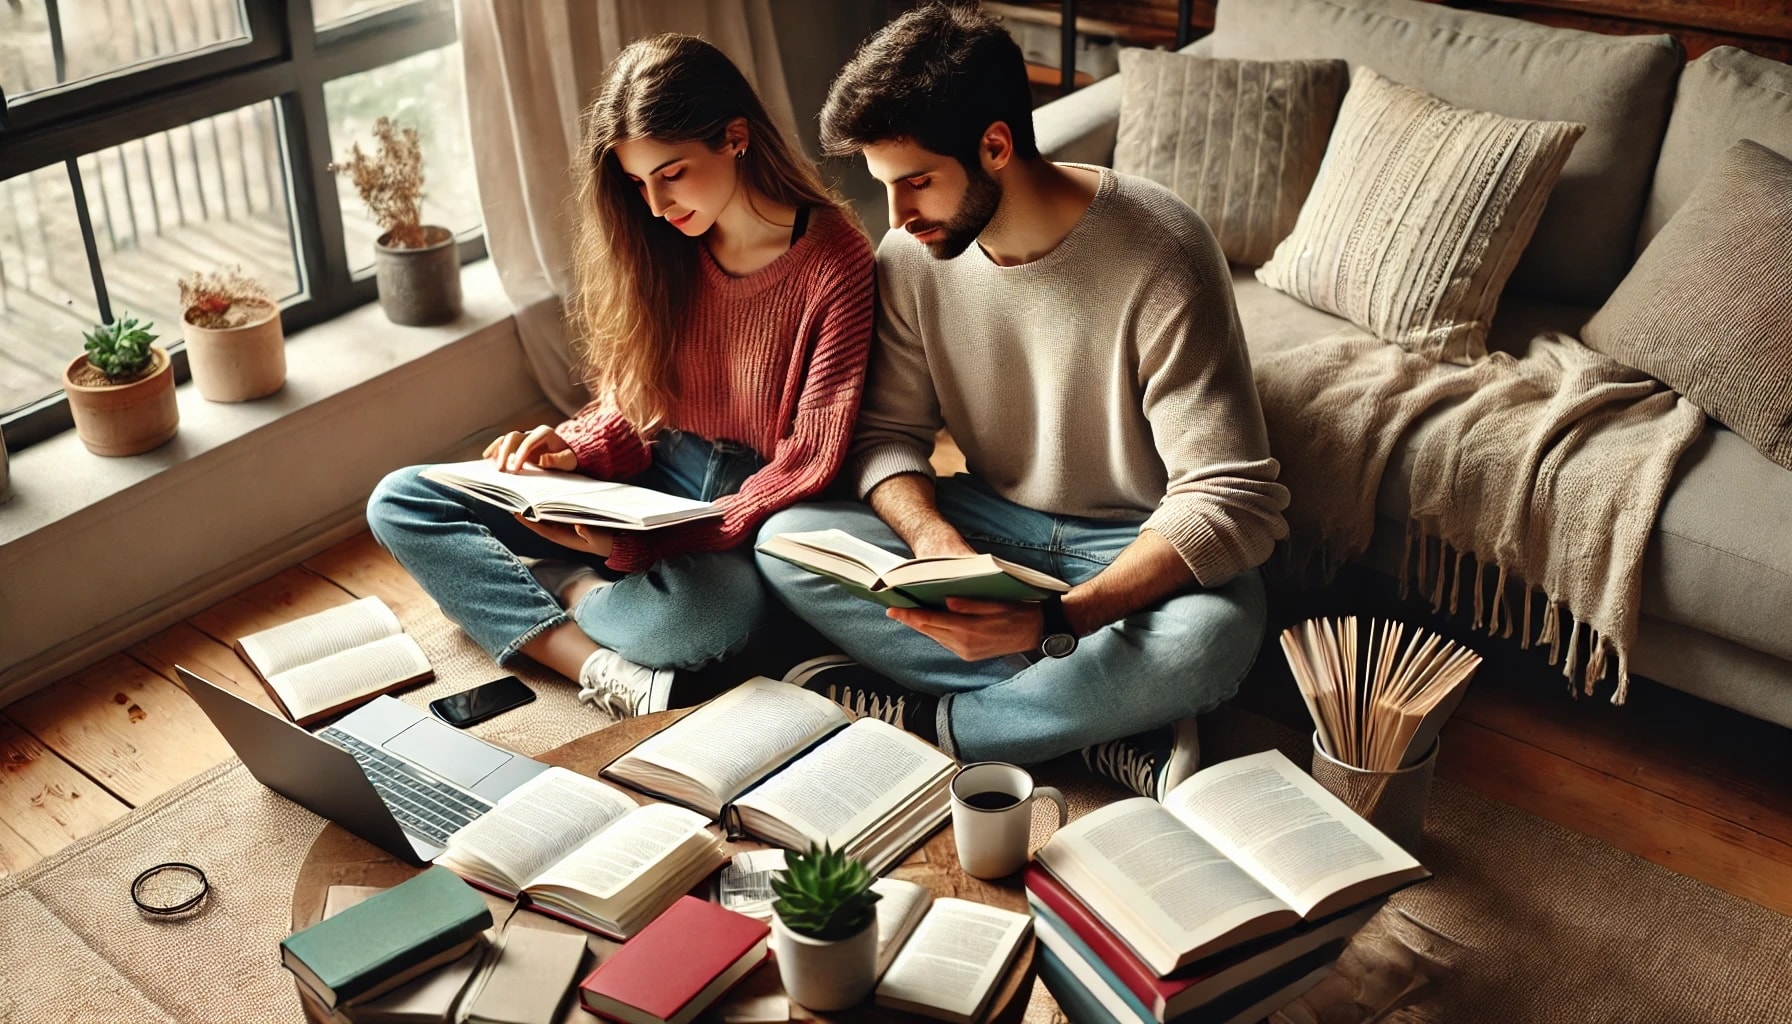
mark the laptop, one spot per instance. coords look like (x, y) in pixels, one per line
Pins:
(389, 773)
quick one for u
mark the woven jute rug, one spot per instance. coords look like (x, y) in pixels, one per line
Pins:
(1524, 921)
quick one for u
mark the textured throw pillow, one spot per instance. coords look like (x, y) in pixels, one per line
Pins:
(1420, 212)
(1708, 307)
(1238, 140)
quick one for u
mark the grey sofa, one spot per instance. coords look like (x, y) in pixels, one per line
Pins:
(1717, 591)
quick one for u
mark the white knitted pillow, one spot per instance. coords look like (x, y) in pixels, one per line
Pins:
(1420, 212)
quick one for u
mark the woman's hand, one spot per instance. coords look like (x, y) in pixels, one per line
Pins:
(593, 540)
(541, 447)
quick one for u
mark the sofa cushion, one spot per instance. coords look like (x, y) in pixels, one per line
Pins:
(1238, 140)
(1419, 214)
(1708, 308)
(1620, 87)
(1725, 95)
(1720, 556)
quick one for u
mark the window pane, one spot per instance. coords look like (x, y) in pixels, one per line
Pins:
(328, 12)
(46, 293)
(424, 92)
(46, 43)
(202, 196)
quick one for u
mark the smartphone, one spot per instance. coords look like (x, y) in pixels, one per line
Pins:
(470, 707)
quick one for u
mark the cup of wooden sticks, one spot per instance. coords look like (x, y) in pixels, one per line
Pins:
(1378, 696)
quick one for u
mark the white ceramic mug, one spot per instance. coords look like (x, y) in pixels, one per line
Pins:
(992, 817)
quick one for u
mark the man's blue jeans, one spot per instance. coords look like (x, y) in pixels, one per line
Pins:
(682, 612)
(1180, 657)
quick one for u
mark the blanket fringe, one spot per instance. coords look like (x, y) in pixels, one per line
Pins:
(1524, 635)
(1573, 651)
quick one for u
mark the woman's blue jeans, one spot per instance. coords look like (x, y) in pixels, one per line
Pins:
(682, 612)
(1179, 657)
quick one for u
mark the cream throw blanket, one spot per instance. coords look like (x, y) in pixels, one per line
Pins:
(1536, 480)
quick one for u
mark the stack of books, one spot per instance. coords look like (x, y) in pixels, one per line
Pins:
(1224, 902)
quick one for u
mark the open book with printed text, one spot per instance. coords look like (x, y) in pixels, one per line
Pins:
(1240, 850)
(555, 496)
(335, 660)
(585, 852)
(889, 579)
(790, 767)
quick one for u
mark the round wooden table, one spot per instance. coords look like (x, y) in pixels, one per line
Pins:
(339, 857)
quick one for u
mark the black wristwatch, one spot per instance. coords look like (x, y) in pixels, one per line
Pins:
(1058, 640)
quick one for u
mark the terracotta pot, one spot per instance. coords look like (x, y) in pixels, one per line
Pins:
(236, 364)
(826, 975)
(124, 419)
(419, 287)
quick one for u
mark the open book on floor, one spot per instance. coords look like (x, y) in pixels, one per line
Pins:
(323, 664)
(745, 887)
(790, 767)
(889, 579)
(584, 852)
(1240, 850)
(555, 496)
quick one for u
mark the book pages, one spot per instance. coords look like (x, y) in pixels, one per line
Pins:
(899, 910)
(836, 792)
(537, 824)
(340, 677)
(1164, 890)
(1299, 840)
(951, 964)
(625, 852)
(708, 757)
(313, 637)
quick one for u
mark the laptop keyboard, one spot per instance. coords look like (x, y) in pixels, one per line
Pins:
(426, 807)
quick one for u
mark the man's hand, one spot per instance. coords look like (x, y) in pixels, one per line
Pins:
(541, 447)
(589, 539)
(975, 630)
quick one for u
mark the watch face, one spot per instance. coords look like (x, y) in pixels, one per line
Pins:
(1058, 645)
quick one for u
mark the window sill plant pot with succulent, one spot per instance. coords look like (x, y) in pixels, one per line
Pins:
(235, 345)
(417, 265)
(824, 929)
(121, 390)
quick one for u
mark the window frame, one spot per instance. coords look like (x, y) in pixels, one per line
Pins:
(286, 61)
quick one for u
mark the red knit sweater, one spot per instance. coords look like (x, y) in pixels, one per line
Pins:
(775, 361)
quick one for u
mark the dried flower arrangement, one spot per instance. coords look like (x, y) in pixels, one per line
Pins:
(391, 183)
(223, 299)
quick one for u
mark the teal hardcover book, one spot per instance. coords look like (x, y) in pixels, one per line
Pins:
(388, 938)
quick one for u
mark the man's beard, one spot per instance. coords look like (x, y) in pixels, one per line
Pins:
(982, 195)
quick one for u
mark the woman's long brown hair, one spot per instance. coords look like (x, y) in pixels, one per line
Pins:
(635, 275)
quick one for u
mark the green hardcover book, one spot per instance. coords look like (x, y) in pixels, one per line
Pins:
(388, 938)
(877, 575)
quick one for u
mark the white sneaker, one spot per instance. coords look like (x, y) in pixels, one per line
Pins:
(1151, 763)
(609, 681)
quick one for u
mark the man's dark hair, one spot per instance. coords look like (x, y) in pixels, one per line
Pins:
(940, 75)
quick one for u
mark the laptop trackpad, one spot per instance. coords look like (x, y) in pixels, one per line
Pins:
(447, 751)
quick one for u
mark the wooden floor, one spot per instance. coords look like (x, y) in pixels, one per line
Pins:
(1697, 788)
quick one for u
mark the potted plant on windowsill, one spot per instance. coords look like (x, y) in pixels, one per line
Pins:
(824, 929)
(235, 345)
(121, 390)
(417, 265)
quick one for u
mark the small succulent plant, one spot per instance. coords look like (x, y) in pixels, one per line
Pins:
(824, 894)
(120, 349)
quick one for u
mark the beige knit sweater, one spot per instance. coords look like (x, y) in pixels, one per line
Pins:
(1107, 379)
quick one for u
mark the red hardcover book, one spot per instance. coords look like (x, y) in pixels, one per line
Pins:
(678, 965)
(1199, 982)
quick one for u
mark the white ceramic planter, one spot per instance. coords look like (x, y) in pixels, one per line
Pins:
(826, 975)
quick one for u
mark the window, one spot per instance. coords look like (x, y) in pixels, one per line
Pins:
(141, 140)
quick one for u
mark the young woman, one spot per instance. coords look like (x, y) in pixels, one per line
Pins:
(723, 313)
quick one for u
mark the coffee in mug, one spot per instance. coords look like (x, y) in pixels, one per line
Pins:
(992, 816)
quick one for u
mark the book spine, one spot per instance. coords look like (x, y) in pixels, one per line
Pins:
(1084, 926)
(1053, 929)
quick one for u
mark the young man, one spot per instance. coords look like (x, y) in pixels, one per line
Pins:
(1075, 331)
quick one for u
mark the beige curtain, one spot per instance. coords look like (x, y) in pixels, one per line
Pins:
(530, 69)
